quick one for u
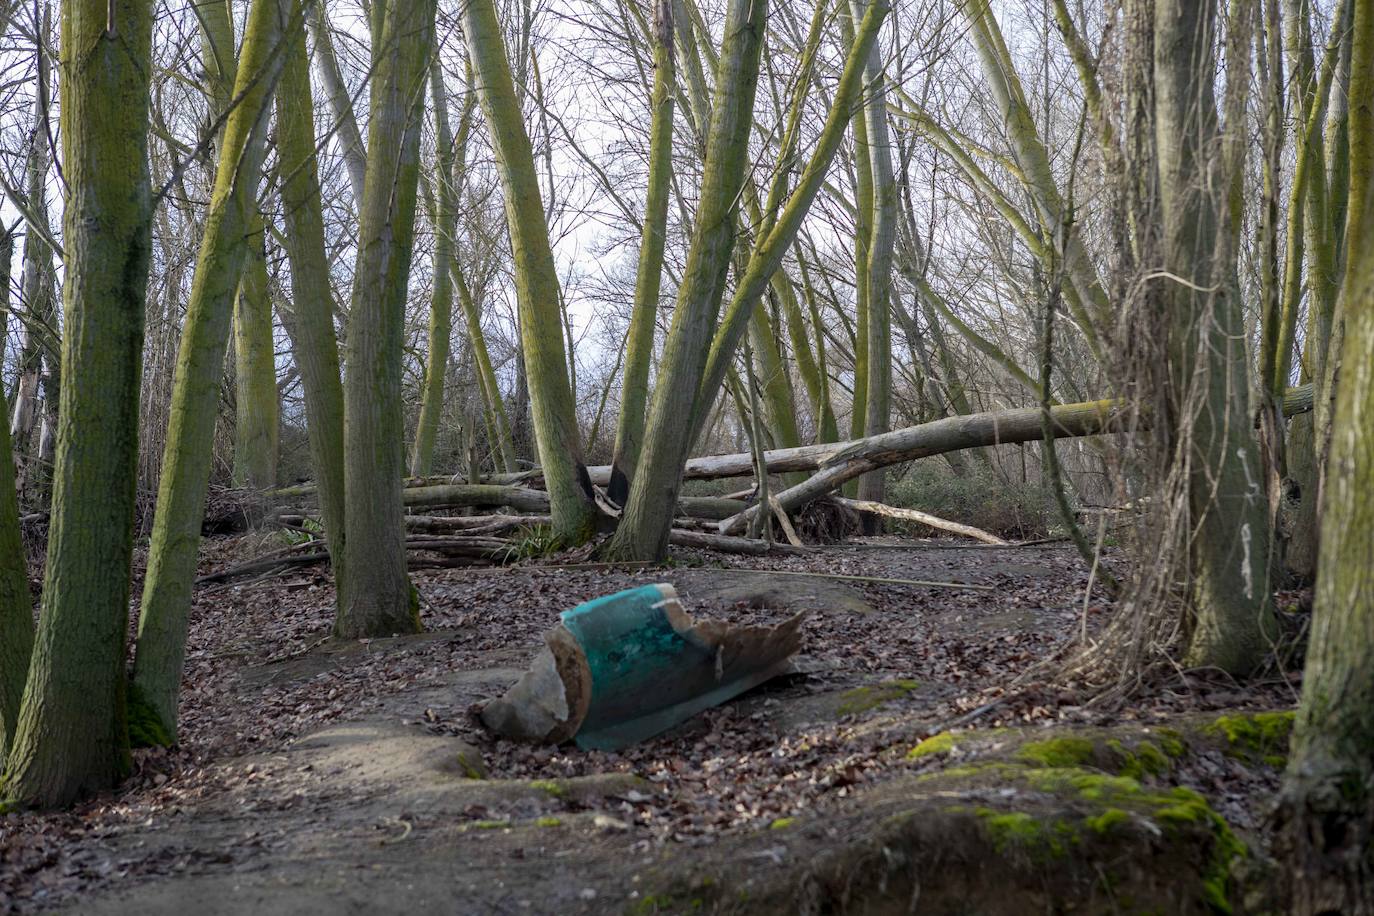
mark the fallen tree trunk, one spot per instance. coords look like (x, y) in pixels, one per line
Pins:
(950, 434)
(806, 457)
(849, 460)
(521, 499)
(726, 544)
(915, 515)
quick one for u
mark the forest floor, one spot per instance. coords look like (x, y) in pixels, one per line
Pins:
(322, 777)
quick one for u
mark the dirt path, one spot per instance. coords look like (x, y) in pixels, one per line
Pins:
(324, 777)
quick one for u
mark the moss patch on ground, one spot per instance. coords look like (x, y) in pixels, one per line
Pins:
(1097, 806)
(862, 699)
(942, 743)
(1259, 736)
(1058, 752)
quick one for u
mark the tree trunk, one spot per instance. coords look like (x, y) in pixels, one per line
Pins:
(314, 345)
(537, 288)
(72, 737)
(441, 297)
(340, 103)
(850, 460)
(643, 530)
(175, 542)
(379, 599)
(16, 607)
(772, 247)
(1326, 808)
(639, 346)
(255, 364)
(494, 406)
(1232, 617)
(878, 399)
(36, 291)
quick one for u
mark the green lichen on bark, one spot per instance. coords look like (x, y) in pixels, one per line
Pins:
(538, 292)
(187, 457)
(71, 738)
(378, 599)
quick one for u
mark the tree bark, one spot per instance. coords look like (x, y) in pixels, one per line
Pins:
(878, 401)
(1232, 614)
(186, 459)
(639, 345)
(340, 103)
(850, 460)
(441, 297)
(643, 530)
(16, 606)
(379, 599)
(314, 344)
(72, 737)
(1326, 808)
(257, 409)
(537, 287)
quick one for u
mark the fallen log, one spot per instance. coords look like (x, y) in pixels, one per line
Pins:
(915, 515)
(802, 458)
(950, 434)
(475, 524)
(848, 460)
(727, 544)
(477, 495)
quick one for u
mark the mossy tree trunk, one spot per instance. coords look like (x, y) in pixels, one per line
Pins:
(1207, 404)
(441, 295)
(186, 459)
(878, 286)
(378, 599)
(310, 327)
(71, 737)
(536, 279)
(639, 345)
(781, 220)
(1326, 807)
(643, 530)
(257, 408)
(16, 607)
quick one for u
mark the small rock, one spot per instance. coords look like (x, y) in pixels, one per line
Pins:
(606, 822)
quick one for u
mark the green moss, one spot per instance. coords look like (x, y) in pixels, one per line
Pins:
(1083, 783)
(1171, 742)
(1107, 821)
(1057, 752)
(1145, 760)
(782, 823)
(942, 743)
(552, 787)
(1021, 832)
(472, 769)
(862, 699)
(1184, 807)
(146, 728)
(548, 822)
(1254, 735)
